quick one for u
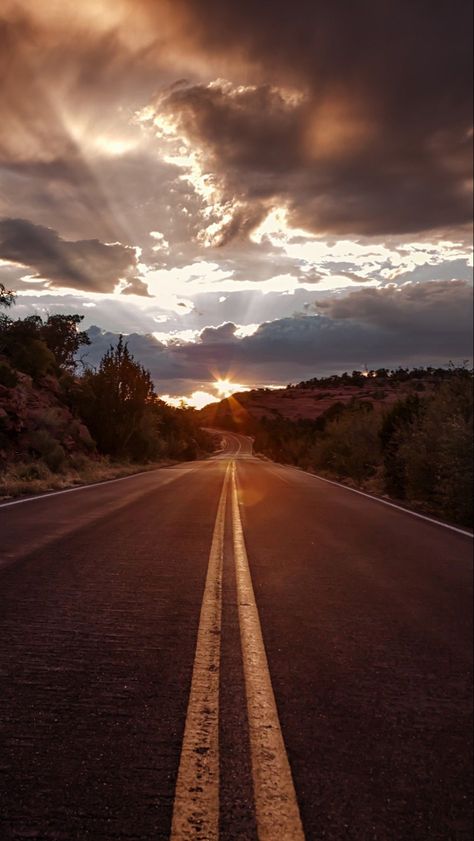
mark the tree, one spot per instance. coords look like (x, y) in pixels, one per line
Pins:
(7, 298)
(63, 338)
(23, 345)
(37, 347)
(436, 449)
(394, 428)
(349, 446)
(114, 400)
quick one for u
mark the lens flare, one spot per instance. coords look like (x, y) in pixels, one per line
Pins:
(225, 388)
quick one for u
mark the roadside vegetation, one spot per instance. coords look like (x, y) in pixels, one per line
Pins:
(59, 428)
(418, 450)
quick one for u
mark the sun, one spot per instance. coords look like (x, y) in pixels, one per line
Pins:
(225, 388)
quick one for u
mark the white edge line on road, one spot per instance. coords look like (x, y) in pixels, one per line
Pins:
(276, 805)
(379, 499)
(196, 798)
(80, 487)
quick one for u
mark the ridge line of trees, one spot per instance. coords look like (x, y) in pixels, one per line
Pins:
(391, 375)
(418, 449)
(116, 402)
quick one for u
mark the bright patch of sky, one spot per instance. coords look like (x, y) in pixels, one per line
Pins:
(197, 399)
(176, 336)
(380, 261)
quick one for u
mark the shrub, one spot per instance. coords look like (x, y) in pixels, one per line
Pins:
(394, 427)
(349, 446)
(80, 462)
(30, 471)
(8, 377)
(55, 458)
(33, 357)
(51, 418)
(436, 451)
(50, 450)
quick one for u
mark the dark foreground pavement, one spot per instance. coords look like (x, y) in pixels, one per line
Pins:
(366, 619)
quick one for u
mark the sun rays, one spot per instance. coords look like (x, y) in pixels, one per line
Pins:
(226, 387)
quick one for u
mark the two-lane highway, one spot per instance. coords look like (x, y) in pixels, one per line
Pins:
(233, 445)
(232, 649)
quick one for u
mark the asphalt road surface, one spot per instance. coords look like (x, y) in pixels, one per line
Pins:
(232, 649)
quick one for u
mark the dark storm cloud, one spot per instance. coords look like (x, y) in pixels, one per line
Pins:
(434, 308)
(89, 265)
(313, 40)
(431, 324)
(355, 115)
(379, 140)
(335, 172)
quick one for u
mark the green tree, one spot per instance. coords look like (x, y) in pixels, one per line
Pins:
(23, 345)
(63, 338)
(393, 429)
(349, 446)
(114, 400)
(436, 451)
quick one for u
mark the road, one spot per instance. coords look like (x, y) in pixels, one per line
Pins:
(232, 649)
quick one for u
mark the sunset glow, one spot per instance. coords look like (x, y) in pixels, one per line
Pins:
(210, 186)
(197, 400)
(226, 387)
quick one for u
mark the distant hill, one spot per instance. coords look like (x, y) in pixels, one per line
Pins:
(405, 433)
(310, 399)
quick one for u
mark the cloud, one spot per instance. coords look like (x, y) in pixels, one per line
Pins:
(225, 333)
(72, 77)
(89, 265)
(357, 117)
(136, 286)
(357, 120)
(333, 170)
(428, 324)
(350, 122)
(419, 309)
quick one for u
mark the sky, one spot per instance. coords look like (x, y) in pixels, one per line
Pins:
(255, 192)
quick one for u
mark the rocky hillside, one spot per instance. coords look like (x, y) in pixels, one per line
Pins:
(35, 421)
(59, 427)
(312, 399)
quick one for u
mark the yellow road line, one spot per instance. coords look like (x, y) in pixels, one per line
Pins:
(276, 807)
(196, 803)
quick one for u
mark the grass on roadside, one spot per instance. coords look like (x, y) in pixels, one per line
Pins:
(34, 477)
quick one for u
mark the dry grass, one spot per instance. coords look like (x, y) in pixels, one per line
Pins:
(29, 478)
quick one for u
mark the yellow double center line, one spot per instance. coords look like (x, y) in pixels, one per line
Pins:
(196, 804)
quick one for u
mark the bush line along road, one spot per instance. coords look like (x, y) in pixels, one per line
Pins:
(232, 649)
